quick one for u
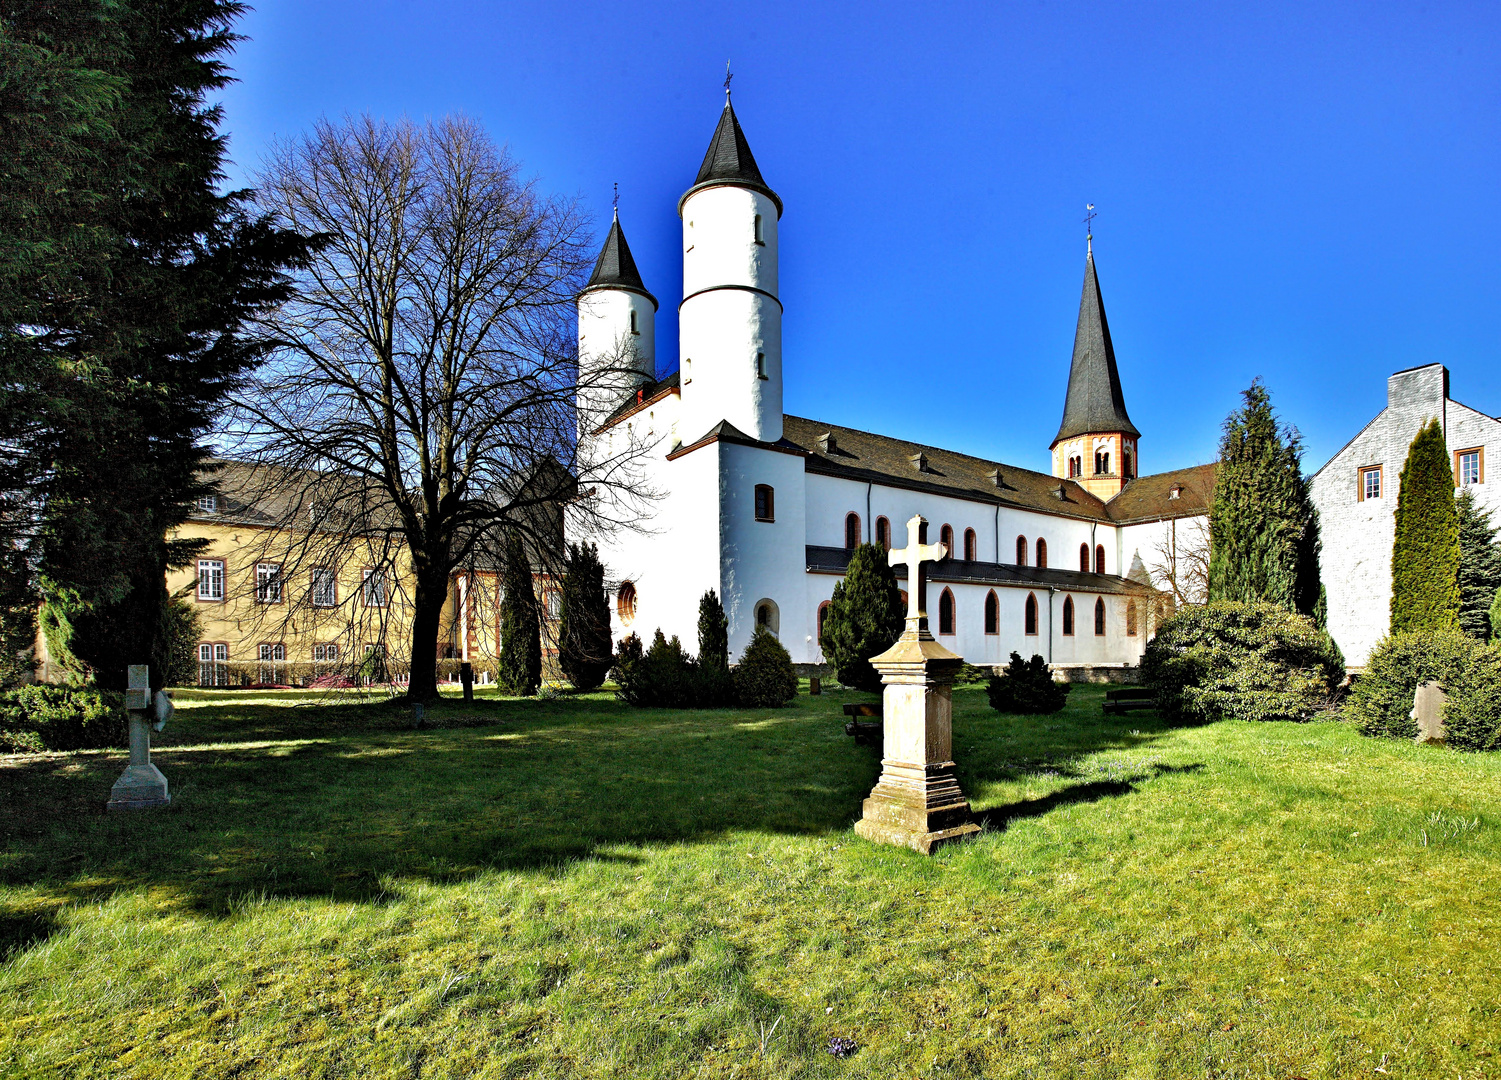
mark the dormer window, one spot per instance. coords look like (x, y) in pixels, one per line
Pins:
(1175, 492)
(759, 241)
(207, 504)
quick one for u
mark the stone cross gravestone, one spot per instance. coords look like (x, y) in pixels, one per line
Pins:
(917, 802)
(1428, 710)
(141, 786)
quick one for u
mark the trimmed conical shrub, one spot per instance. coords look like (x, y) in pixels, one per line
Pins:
(520, 626)
(584, 651)
(864, 618)
(764, 677)
(1425, 553)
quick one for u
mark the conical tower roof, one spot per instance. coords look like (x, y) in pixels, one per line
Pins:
(616, 269)
(1094, 404)
(729, 161)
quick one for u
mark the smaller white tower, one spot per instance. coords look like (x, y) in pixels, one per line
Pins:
(617, 333)
(730, 320)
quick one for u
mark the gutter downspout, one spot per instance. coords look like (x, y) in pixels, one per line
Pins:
(870, 536)
(997, 532)
(1051, 592)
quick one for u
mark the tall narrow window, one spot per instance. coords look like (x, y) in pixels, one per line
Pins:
(883, 533)
(268, 583)
(1130, 618)
(1068, 616)
(687, 369)
(1099, 617)
(1083, 558)
(1029, 617)
(1021, 551)
(211, 579)
(634, 328)
(851, 532)
(271, 672)
(761, 366)
(1126, 463)
(213, 664)
(945, 612)
(823, 615)
(375, 588)
(759, 241)
(766, 507)
(946, 538)
(992, 613)
(1370, 482)
(971, 546)
(325, 589)
(1099, 558)
(1042, 553)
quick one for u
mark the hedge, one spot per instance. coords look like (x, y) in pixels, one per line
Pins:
(40, 717)
(1380, 701)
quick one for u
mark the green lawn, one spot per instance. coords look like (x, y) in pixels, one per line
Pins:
(574, 888)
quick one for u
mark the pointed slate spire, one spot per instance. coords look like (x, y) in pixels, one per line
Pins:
(615, 268)
(729, 161)
(1094, 404)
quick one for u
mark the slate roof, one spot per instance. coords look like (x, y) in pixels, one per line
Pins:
(616, 269)
(729, 161)
(832, 560)
(1094, 402)
(1150, 498)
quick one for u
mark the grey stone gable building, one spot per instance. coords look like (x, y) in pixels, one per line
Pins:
(1356, 495)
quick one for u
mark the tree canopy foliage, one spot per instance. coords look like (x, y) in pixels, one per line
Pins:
(585, 651)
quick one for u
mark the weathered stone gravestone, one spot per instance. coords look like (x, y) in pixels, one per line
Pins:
(917, 802)
(1428, 710)
(141, 786)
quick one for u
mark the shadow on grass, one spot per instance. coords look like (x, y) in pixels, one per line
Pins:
(998, 818)
(345, 801)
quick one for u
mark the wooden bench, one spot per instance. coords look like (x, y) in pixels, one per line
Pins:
(864, 732)
(1133, 697)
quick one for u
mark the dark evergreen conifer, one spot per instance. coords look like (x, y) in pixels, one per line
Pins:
(520, 626)
(1479, 566)
(1425, 552)
(765, 678)
(864, 618)
(1496, 616)
(713, 634)
(584, 650)
(1264, 539)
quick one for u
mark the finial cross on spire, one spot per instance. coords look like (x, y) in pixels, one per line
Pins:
(915, 556)
(616, 204)
(1089, 216)
(727, 78)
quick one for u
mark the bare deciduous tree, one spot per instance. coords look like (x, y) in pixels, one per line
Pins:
(1180, 561)
(423, 400)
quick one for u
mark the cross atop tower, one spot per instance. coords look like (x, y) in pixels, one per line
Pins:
(727, 78)
(915, 556)
(616, 204)
(1089, 216)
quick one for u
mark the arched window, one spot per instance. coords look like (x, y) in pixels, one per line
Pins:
(971, 546)
(945, 612)
(1042, 553)
(946, 538)
(1126, 463)
(634, 328)
(768, 616)
(992, 613)
(1099, 558)
(823, 614)
(766, 505)
(1068, 616)
(1021, 551)
(883, 533)
(1083, 558)
(625, 602)
(851, 532)
(1099, 617)
(1030, 618)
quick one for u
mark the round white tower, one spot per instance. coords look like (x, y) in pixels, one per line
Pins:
(730, 320)
(617, 333)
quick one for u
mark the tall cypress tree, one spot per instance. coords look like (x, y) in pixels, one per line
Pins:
(864, 619)
(713, 634)
(520, 625)
(1479, 566)
(585, 651)
(1425, 552)
(1263, 528)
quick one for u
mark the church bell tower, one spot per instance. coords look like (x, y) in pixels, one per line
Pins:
(730, 320)
(617, 332)
(1096, 443)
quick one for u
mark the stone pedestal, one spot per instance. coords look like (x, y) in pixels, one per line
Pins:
(141, 786)
(917, 802)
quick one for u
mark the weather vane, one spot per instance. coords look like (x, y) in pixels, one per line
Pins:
(727, 78)
(1089, 216)
(617, 198)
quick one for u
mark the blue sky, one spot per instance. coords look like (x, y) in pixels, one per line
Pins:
(1300, 191)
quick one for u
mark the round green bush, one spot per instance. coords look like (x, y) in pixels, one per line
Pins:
(1472, 718)
(39, 717)
(764, 678)
(1244, 661)
(1380, 701)
(1027, 688)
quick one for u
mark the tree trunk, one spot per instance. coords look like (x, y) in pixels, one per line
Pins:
(427, 617)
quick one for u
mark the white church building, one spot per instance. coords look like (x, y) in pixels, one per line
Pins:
(765, 507)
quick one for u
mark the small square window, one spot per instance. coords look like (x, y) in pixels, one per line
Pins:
(1370, 483)
(1468, 468)
(208, 504)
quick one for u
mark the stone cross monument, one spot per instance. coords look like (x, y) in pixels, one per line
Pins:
(142, 785)
(917, 802)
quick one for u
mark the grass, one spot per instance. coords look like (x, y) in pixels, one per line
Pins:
(574, 888)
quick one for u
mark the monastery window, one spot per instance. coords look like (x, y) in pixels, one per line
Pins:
(757, 227)
(326, 654)
(883, 533)
(1042, 554)
(851, 532)
(992, 613)
(208, 504)
(946, 538)
(1469, 467)
(1130, 618)
(1126, 463)
(1370, 483)
(1099, 617)
(625, 602)
(273, 655)
(823, 615)
(376, 593)
(761, 366)
(768, 616)
(766, 506)
(971, 546)
(1075, 466)
(325, 587)
(1029, 618)
(1099, 558)
(211, 579)
(1083, 558)
(634, 328)
(268, 583)
(946, 612)
(1021, 551)
(213, 663)
(554, 604)
(1068, 616)
(1102, 462)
